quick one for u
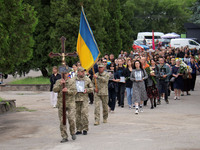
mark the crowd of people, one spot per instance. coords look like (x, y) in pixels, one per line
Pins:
(162, 71)
(140, 75)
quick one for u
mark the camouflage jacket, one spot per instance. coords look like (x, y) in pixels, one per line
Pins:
(102, 83)
(88, 87)
(70, 94)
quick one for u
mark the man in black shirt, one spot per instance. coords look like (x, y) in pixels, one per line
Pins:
(54, 77)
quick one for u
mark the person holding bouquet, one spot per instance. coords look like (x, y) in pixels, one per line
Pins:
(152, 82)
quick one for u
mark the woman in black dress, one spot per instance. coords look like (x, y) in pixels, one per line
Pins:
(178, 83)
(113, 87)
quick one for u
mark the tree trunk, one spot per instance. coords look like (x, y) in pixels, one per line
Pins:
(44, 72)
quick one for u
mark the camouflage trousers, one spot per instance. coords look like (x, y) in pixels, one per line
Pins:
(70, 114)
(82, 122)
(97, 100)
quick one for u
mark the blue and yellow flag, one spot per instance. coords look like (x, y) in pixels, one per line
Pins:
(87, 48)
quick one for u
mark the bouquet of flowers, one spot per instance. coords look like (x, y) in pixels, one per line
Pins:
(183, 67)
(196, 58)
(150, 70)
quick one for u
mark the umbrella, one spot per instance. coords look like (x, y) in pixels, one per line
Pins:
(170, 36)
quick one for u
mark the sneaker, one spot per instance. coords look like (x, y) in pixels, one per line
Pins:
(141, 109)
(130, 107)
(163, 98)
(96, 123)
(178, 98)
(136, 111)
(112, 111)
(133, 106)
(64, 140)
(175, 97)
(78, 132)
(158, 103)
(73, 137)
(167, 101)
(84, 132)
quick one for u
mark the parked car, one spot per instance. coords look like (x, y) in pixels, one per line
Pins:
(148, 36)
(140, 43)
(165, 42)
(182, 42)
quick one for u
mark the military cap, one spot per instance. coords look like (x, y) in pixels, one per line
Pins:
(80, 69)
(101, 65)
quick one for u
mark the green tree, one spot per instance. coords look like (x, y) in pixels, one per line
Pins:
(196, 12)
(164, 16)
(17, 24)
(112, 26)
(126, 32)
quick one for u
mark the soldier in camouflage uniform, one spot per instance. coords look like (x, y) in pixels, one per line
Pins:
(82, 102)
(70, 91)
(101, 94)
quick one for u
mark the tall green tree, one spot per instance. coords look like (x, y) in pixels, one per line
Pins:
(17, 24)
(196, 12)
(40, 60)
(112, 26)
(126, 32)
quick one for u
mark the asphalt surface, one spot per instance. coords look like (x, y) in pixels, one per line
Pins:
(173, 126)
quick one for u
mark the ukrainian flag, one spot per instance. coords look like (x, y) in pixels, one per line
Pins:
(87, 48)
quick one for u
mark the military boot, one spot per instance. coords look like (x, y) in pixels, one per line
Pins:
(64, 140)
(96, 123)
(84, 132)
(73, 137)
(104, 120)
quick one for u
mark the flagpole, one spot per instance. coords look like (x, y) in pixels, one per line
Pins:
(95, 80)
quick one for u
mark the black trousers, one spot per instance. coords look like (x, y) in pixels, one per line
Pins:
(121, 92)
(163, 86)
(112, 99)
(91, 97)
(193, 80)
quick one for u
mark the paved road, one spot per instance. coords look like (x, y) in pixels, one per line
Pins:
(175, 126)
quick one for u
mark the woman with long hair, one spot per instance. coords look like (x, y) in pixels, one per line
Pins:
(129, 83)
(178, 83)
(152, 83)
(138, 75)
(112, 86)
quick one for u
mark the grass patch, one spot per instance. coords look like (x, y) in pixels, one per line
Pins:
(21, 109)
(31, 80)
(1, 99)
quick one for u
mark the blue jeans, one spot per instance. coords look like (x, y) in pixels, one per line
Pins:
(129, 92)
